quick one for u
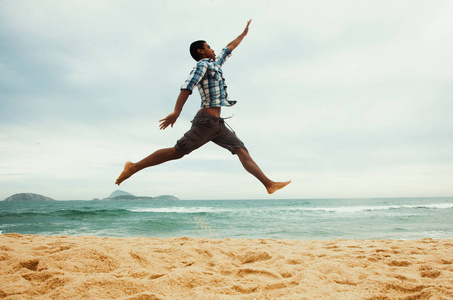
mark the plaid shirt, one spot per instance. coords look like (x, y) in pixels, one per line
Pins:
(208, 76)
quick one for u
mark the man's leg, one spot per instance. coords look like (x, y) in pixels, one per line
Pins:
(250, 165)
(156, 158)
(201, 132)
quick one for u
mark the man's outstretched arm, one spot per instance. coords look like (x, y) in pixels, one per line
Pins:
(171, 118)
(239, 39)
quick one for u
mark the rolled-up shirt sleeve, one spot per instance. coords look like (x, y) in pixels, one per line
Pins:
(195, 76)
(224, 54)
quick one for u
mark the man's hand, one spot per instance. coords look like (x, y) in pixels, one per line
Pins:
(239, 39)
(246, 30)
(168, 120)
(171, 118)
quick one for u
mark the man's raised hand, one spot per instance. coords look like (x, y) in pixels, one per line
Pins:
(233, 44)
(246, 30)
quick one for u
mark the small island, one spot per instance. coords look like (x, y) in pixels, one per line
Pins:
(119, 195)
(28, 197)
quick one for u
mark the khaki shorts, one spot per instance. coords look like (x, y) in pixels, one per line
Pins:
(206, 128)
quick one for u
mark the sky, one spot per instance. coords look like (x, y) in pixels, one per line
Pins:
(348, 99)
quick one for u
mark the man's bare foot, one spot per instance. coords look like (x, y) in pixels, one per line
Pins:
(127, 172)
(275, 186)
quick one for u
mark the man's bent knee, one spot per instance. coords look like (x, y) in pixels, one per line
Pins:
(241, 151)
(177, 153)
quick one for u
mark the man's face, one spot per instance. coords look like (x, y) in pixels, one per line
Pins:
(208, 52)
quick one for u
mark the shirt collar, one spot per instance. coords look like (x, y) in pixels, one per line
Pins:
(207, 59)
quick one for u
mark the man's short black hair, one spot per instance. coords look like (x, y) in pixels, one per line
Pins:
(194, 47)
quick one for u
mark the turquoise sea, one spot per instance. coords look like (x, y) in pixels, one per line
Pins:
(304, 219)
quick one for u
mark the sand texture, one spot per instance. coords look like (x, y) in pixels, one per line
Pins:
(41, 267)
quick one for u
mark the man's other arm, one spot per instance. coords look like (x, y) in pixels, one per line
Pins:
(171, 118)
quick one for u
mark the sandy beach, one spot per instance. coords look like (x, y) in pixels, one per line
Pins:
(85, 267)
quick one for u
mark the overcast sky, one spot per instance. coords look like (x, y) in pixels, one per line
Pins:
(345, 98)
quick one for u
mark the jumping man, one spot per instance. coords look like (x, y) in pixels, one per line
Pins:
(207, 124)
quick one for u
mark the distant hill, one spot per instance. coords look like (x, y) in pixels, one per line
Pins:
(166, 197)
(119, 193)
(28, 197)
(122, 195)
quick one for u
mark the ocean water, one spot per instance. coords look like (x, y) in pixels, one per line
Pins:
(305, 219)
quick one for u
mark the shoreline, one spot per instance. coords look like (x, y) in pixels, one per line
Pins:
(88, 267)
